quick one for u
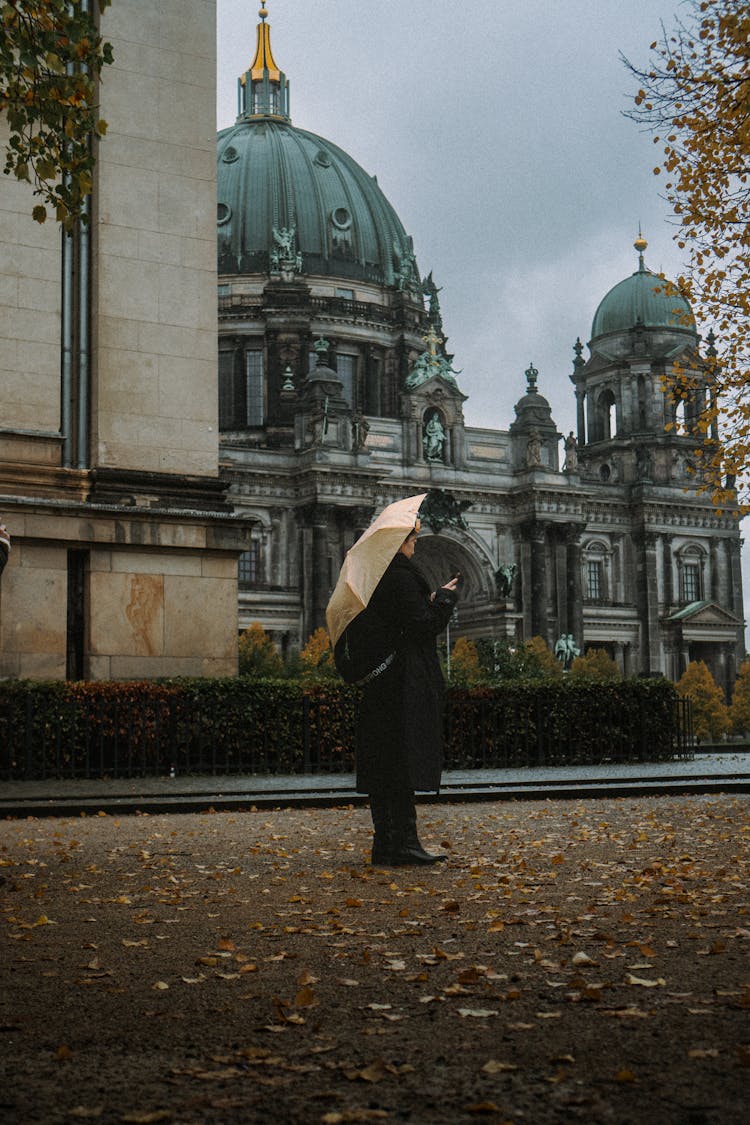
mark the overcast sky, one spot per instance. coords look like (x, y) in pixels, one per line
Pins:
(495, 129)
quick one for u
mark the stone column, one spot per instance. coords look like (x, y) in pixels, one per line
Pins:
(715, 589)
(574, 622)
(321, 569)
(647, 600)
(581, 415)
(276, 555)
(734, 547)
(538, 544)
(667, 571)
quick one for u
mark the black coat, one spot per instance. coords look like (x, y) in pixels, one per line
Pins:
(400, 731)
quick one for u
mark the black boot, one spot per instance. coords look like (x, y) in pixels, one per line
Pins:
(382, 844)
(407, 849)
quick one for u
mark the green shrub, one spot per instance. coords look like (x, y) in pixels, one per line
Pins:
(253, 725)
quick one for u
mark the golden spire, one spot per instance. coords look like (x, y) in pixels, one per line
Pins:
(264, 61)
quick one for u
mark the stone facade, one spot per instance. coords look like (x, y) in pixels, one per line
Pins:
(124, 560)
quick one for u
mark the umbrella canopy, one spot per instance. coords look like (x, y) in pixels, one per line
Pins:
(367, 561)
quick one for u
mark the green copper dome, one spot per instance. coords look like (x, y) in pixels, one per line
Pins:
(286, 193)
(641, 300)
(273, 175)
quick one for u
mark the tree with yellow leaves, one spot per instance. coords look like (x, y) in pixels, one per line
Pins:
(596, 664)
(739, 712)
(258, 654)
(316, 658)
(466, 668)
(695, 98)
(51, 56)
(710, 713)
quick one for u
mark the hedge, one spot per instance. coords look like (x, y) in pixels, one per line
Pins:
(247, 725)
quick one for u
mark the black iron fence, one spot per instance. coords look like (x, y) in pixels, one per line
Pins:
(290, 730)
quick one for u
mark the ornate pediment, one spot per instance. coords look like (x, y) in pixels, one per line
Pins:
(705, 614)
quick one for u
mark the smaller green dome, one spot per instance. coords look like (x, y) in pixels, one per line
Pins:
(642, 300)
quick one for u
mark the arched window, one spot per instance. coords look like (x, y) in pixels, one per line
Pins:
(250, 566)
(642, 404)
(596, 572)
(680, 417)
(606, 416)
(690, 568)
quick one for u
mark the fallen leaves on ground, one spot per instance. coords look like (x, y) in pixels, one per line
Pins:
(249, 959)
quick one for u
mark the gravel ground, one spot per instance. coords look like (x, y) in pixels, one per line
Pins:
(572, 961)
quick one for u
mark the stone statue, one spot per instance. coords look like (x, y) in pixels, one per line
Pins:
(441, 509)
(504, 576)
(430, 290)
(282, 256)
(566, 650)
(433, 440)
(360, 430)
(534, 449)
(643, 463)
(284, 239)
(431, 363)
(406, 266)
(571, 453)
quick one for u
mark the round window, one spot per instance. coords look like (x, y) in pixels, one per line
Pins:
(230, 155)
(341, 218)
(322, 159)
(223, 213)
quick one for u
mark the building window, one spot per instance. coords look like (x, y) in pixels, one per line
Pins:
(691, 582)
(240, 399)
(254, 388)
(346, 369)
(249, 571)
(226, 390)
(347, 294)
(595, 580)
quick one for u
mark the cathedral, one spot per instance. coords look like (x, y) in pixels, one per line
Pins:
(337, 395)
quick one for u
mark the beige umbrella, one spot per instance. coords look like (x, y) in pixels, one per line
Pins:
(367, 561)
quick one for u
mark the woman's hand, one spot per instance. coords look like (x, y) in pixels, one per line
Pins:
(452, 584)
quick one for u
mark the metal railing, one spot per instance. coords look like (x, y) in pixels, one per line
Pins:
(307, 735)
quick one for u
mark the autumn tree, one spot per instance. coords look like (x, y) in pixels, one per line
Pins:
(710, 713)
(465, 665)
(596, 664)
(316, 658)
(506, 660)
(739, 712)
(258, 655)
(51, 56)
(695, 97)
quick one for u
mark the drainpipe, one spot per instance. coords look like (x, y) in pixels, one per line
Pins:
(84, 326)
(67, 349)
(84, 321)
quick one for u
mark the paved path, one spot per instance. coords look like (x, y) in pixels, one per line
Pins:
(722, 772)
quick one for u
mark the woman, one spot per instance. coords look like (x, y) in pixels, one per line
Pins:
(400, 734)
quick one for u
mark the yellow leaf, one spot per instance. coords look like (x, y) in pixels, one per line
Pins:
(148, 1118)
(643, 983)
